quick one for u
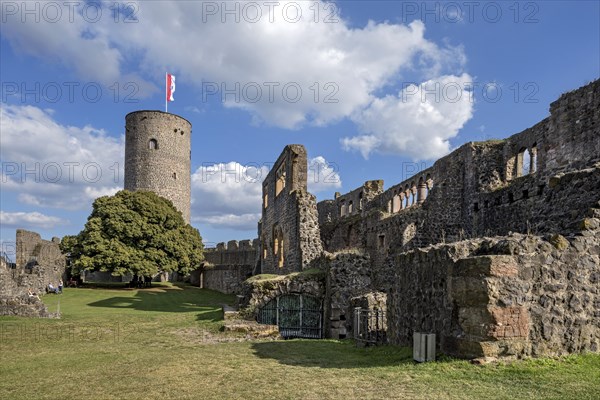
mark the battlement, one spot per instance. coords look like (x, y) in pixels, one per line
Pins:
(244, 252)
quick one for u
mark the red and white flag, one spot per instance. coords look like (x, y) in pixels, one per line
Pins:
(170, 87)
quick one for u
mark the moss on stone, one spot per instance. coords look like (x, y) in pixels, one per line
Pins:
(559, 241)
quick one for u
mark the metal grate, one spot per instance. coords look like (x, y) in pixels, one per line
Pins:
(370, 326)
(296, 315)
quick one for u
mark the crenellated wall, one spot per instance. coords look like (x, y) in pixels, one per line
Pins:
(226, 266)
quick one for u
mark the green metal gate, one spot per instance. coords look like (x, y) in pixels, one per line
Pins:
(296, 315)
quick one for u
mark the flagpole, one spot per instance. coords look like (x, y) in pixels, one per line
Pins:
(166, 91)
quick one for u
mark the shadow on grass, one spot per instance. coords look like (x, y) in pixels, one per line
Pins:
(332, 354)
(178, 299)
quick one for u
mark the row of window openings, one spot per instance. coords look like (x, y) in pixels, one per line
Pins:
(348, 209)
(410, 196)
(511, 198)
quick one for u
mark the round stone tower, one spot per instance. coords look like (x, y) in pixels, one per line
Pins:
(157, 156)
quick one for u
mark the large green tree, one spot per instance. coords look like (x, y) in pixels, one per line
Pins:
(136, 233)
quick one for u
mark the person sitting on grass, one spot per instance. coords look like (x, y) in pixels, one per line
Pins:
(51, 288)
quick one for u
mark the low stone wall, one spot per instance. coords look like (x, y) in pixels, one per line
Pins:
(224, 278)
(24, 306)
(14, 299)
(521, 295)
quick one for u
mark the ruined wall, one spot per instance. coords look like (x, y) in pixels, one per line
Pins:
(289, 229)
(226, 278)
(520, 295)
(348, 276)
(14, 300)
(158, 155)
(534, 181)
(39, 261)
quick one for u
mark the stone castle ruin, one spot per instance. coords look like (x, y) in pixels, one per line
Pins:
(495, 248)
(38, 262)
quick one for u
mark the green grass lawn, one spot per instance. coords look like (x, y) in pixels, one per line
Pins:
(164, 342)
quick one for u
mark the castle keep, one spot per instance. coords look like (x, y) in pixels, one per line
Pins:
(157, 156)
(495, 248)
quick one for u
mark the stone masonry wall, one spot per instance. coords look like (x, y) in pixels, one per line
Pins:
(288, 217)
(162, 166)
(534, 181)
(226, 278)
(39, 262)
(520, 295)
(227, 266)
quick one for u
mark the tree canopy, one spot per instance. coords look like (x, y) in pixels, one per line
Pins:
(134, 232)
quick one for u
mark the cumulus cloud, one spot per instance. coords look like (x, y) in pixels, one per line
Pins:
(322, 175)
(228, 195)
(285, 71)
(29, 220)
(418, 122)
(55, 165)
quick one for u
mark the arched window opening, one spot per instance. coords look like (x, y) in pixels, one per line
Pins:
(350, 207)
(413, 194)
(280, 253)
(518, 167)
(342, 208)
(152, 144)
(278, 246)
(407, 197)
(175, 175)
(360, 201)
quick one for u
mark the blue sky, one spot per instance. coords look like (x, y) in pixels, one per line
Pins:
(373, 89)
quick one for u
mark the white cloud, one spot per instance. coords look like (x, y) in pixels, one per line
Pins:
(322, 175)
(244, 222)
(53, 165)
(418, 122)
(29, 220)
(338, 68)
(228, 195)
